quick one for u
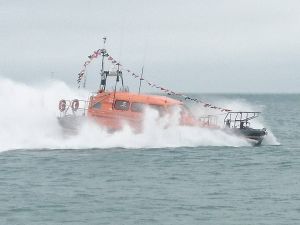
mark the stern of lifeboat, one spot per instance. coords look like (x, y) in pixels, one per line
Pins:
(72, 114)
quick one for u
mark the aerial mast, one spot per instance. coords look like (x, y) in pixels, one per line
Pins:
(102, 73)
(141, 78)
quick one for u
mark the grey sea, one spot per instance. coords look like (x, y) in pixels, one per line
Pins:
(180, 185)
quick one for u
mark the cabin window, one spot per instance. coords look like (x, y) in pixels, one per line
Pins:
(137, 107)
(121, 105)
(97, 105)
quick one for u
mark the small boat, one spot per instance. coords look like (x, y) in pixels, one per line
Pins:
(114, 108)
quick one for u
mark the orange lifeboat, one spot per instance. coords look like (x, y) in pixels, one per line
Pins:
(113, 109)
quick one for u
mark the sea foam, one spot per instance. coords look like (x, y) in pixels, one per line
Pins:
(28, 120)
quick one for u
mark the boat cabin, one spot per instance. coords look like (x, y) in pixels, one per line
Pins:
(111, 109)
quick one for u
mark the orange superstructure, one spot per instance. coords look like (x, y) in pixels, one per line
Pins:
(113, 109)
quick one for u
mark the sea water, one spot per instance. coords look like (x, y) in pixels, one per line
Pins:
(162, 176)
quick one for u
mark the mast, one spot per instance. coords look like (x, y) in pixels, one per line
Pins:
(117, 80)
(105, 74)
(141, 78)
(102, 74)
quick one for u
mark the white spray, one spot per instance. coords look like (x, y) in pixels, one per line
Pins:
(28, 120)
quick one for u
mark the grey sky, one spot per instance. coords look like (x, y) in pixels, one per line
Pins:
(191, 46)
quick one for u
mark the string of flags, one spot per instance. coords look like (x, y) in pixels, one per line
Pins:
(102, 52)
(86, 63)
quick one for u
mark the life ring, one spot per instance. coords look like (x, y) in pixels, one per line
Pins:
(75, 104)
(62, 105)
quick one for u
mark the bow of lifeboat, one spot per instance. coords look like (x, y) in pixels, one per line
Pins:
(237, 123)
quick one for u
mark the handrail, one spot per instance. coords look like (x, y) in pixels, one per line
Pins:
(81, 110)
(241, 118)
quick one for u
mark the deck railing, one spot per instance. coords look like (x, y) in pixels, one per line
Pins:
(81, 110)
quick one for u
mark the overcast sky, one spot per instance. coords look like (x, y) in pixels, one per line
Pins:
(190, 46)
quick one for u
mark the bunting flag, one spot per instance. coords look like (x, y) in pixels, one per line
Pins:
(86, 63)
(98, 52)
(169, 92)
(150, 83)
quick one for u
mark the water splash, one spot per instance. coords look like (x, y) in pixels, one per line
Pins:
(29, 121)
